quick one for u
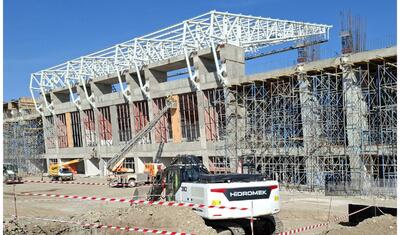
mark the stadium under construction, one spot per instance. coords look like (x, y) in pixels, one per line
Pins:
(319, 124)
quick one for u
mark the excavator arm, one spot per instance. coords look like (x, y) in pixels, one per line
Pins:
(114, 163)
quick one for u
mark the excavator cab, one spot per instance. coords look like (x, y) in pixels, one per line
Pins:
(184, 168)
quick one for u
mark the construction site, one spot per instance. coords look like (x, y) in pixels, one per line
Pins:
(322, 131)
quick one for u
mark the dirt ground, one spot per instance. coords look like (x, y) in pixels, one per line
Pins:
(298, 209)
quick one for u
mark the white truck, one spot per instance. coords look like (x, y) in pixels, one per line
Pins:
(127, 179)
(10, 174)
(187, 180)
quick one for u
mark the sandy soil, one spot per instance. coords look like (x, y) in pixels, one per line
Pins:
(297, 210)
(384, 224)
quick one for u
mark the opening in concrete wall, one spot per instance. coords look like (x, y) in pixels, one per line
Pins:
(141, 119)
(124, 123)
(62, 131)
(163, 128)
(105, 128)
(89, 127)
(76, 129)
(214, 113)
(182, 73)
(49, 131)
(189, 117)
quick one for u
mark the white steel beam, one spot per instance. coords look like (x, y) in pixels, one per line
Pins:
(205, 31)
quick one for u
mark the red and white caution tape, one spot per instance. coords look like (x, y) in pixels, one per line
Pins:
(74, 182)
(125, 200)
(314, 226)
(101, 226)
(62, 182)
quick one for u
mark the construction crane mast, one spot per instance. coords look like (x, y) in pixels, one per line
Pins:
(209, 30)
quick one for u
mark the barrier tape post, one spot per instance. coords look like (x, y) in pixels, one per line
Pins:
(252, 220)
(118, 228)
(15, 201)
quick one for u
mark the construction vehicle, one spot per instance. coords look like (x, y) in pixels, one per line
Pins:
(187, 180)
(152, 169)
(62, 171)
(121, 176)
(10, 174)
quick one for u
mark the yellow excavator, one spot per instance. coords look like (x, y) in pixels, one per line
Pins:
(62, 171)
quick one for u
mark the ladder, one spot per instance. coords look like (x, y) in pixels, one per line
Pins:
(114, 162)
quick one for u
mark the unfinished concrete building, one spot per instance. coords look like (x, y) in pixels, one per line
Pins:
(324, 123)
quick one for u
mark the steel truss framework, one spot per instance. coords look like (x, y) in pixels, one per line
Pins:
(301, 137)
(205, 31)
(24, 144)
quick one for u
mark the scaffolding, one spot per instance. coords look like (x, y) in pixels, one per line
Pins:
(332, 130)
(24, 144)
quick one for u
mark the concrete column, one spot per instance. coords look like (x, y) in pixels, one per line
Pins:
(151, 116)
(232, 60)
(114, 125)
(54, 117)
(133, 86)
(139, 165)
(103, 166)
(312, 130)
(96, 113)
(233, 132)
(92, 166)
(202, 125)
(47, 164)
(81, 94)
(356, 122)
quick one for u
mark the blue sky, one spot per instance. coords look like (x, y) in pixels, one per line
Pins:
(42, 33)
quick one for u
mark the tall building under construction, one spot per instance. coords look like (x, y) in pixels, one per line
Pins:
(314, 125)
